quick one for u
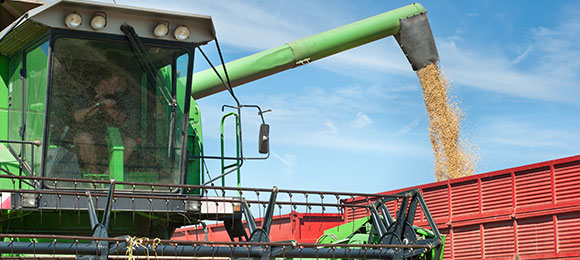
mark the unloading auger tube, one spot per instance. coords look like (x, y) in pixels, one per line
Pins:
(409, 25)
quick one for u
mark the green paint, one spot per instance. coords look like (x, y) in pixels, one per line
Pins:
(303, 51)
(15, 97)
(116, 149)
(3, 97)
(9, 163)
(225, 167)
(343, 231)
(194, 147)
(357, 232)
(442, 248)
(36, 77)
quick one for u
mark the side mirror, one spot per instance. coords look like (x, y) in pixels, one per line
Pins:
(264, 141)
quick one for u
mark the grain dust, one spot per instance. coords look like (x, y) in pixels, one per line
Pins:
(454, 155)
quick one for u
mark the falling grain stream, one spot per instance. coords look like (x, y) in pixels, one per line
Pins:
(454, 155)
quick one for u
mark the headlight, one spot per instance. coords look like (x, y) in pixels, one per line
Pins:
(161, 29)
(99, 21)
(181, 33)
(73, 20)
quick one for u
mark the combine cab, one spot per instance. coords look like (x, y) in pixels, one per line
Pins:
(97, 115)
(98, 93)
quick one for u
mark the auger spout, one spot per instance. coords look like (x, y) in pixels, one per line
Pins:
(416, 40)
(408, 24)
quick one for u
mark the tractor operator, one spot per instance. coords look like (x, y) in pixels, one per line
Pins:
(102, 107)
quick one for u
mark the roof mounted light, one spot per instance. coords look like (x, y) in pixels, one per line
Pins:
(99, 21)
(73, 20)
(161, 29)
(181, 33)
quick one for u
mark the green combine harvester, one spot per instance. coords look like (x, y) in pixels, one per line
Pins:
(98, 116)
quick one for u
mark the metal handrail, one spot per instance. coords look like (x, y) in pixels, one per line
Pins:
(22, 159)
(222, 142)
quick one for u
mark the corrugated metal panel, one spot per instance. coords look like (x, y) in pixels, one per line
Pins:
(569, 232)
(436, 200)
(360, 213)
(496, 192)
(418, 215)
(355, 213)
(393, 206)
(466, 242)
(536, 235)
(533, 186)
(448, 242)
(567, 180)
(498, 239)
(464, 198)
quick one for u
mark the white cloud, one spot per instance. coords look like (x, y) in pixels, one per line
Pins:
(407, 128)
(362, 120)
(511, 132)
(318, 118)
(548, 69)
(331, 128)
(344, 118)
(522, 56)
(288, 159)
(374, 144)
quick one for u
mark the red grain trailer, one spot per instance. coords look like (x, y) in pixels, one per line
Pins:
(302, 227)
(528, 212)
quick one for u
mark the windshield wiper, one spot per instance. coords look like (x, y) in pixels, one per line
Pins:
(148, 66)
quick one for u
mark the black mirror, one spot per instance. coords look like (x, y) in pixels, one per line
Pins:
(264, 141)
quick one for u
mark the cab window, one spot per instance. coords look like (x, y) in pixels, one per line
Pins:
(110, 117)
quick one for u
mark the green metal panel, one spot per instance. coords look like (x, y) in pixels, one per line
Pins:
(36, 75)
(15, 97)
(303, 51)
(9, 163)
(3, 97)
(343, 231)
(194, 136)
(194, 147)
(116, 150)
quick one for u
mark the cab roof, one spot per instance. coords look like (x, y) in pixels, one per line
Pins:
(37, 21)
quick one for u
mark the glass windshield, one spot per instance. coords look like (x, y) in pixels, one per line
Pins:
(112, 118)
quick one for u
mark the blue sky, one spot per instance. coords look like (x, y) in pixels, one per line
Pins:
(356, 121)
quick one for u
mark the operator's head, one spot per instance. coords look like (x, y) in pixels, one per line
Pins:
(108, 84)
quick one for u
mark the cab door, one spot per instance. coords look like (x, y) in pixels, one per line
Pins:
(36, 61)
(27, 72)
